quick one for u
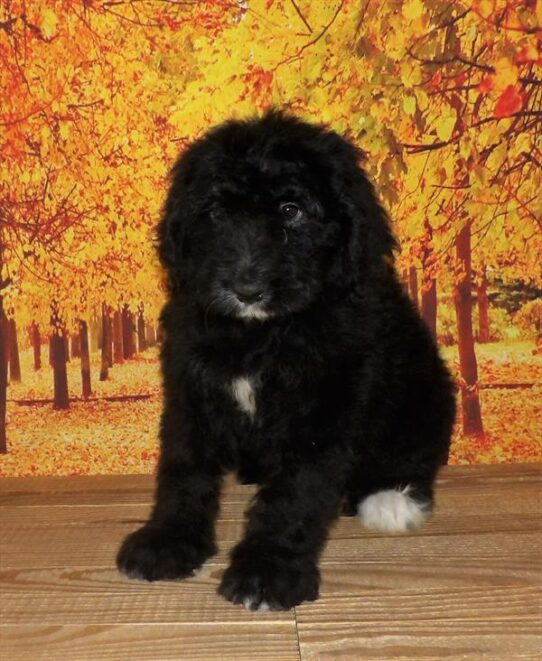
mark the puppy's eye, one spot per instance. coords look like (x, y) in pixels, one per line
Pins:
(290, 211)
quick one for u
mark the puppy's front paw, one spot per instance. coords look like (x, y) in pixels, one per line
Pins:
(153, 554)
(261, 582)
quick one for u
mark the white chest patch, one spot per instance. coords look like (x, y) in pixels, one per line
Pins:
(243, 392)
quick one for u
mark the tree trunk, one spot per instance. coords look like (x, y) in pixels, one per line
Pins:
(3, 379)
(106, 344)
(85, 358)
(95, 330)
(159, 334)
(110, 340)
(36, 344)
(127, 332)
(118, 356)
(141, 339)
(76, 344)
(60, 375)
(67, 345)
(429, 282)
(151, 335)
(404, 281)
(429, 305)
(14, 362)
(470, 399)
(413, 285)
(5, 340)
(483, 309)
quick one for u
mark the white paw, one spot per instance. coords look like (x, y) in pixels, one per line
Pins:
(249, 603)
(393, 510)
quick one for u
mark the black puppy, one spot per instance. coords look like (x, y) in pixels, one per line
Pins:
(291, 355)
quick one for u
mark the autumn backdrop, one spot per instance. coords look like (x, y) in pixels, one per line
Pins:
(98, 98)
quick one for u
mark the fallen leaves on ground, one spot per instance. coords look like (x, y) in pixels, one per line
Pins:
(89, 438)
(137, 376)
(121, 437)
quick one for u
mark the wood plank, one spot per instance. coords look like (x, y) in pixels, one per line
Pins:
(442, 611)
(461, 593)
(447, 520)
(96, 546)
(473, 510)
(20, 587)
(466, 585)
(102, 596)
(89, 486)
(468, 622)
(434, 643)
(254, 641)
(143, 496)
(232, 507)
(129, 489)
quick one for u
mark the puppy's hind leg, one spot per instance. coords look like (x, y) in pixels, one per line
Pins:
(391, 504)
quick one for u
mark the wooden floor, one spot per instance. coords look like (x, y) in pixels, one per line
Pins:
(466, 586)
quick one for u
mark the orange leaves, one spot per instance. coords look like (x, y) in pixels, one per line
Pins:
(529, 52)
(259, 81)
(509, 103)
(509, 15)
(101, 102)
(487, 84)
(502, 75)
(172, 23)
(504, 82)
(436, 80)
(79, 121)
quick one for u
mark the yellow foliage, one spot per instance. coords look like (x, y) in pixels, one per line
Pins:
(48, 22)
(99, 98)
(413, 9)
(409, 104)
(445, 127)
(507, 73)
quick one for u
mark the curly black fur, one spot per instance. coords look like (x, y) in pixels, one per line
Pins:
(291, 355)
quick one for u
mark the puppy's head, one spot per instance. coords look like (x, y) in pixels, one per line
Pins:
(265, 216)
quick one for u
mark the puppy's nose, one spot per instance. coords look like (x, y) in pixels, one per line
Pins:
(248, 293)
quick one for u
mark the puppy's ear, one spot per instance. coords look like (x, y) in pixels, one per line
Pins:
(369, 243)
(375, 244)
(171, 231)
